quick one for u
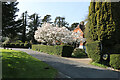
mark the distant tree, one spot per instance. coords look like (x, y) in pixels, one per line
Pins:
(60, 21)
(47, 19)
(24, 25)
(10, 26)
(33, 24)
(82, 26)
(74, 25)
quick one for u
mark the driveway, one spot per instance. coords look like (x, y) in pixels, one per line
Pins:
(73, 69)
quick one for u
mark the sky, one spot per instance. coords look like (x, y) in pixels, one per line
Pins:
(73, 11)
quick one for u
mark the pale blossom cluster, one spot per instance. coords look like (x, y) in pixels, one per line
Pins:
(53, 34)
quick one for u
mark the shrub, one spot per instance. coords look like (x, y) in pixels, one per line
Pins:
(12, 45)
(62, 50)
(115, 61)
(67, 50)
(94, 51)
(79, 53)
(27, 45)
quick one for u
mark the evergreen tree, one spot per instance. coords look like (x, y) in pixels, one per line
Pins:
(10, 27)
(24, 25)
(33, 24)
(104, 22)
(74, 25)
(60, 21)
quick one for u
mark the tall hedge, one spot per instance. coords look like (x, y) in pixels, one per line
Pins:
(115, 61)
(61, 50)
(104, 22)
(94, 51)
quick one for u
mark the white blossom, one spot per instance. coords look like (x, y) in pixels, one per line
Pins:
(53, 34)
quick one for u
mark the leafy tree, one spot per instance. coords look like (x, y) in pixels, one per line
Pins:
(33, 24)
(60, 21)
(47, 19)
(10, 27)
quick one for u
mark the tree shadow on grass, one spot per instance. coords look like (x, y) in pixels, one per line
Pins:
(25, 67)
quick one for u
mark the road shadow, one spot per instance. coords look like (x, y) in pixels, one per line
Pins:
(78, 70)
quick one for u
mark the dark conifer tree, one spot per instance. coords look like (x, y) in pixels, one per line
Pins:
(10, 27)
(104, 22)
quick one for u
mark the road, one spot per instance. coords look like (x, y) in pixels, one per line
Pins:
(73, 69)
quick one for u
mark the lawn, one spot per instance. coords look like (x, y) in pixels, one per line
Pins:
(17, 64)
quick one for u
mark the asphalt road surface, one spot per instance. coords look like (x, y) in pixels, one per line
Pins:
(73, 69)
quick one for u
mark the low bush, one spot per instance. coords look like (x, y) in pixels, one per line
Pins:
(115, 61)
(94, 51)
(80, 53)
(62, 50)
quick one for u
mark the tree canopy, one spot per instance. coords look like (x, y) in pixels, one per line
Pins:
(10, 27)
(104, 23)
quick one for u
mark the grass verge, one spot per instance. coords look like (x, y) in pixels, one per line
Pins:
(17, 64)
(99, 65)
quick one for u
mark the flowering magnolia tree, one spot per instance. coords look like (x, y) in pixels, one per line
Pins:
(53, 34)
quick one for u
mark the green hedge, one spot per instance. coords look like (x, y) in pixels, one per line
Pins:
(62, 50)
(115, 61)
(16, 44)
(94, 51)
(12, 45)
(80, 53)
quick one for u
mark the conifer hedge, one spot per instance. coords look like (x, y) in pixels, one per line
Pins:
(93, 50)
(115, 61)
(104, 22)
(103, 25)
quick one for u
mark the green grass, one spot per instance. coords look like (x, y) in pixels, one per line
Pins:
(98, 64)
(17, 64)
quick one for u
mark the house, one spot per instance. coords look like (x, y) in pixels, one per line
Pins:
(80, 28)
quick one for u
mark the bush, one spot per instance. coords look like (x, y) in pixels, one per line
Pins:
(62, 50)
(80, 53)
(94, 51)
(115, 61)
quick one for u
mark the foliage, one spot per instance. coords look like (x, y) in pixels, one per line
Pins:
(47, 19)
(16, 44)
(24, 26)
(61, 50)
(53, 35)
(60, 21)
(94, 51)
(82, 26)
(115, 61)
(32, 25)
(10, 27)
(87, 33)
(104, 22)
(103, 25)
(80, 53)
(17, 64)
(74, 25)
